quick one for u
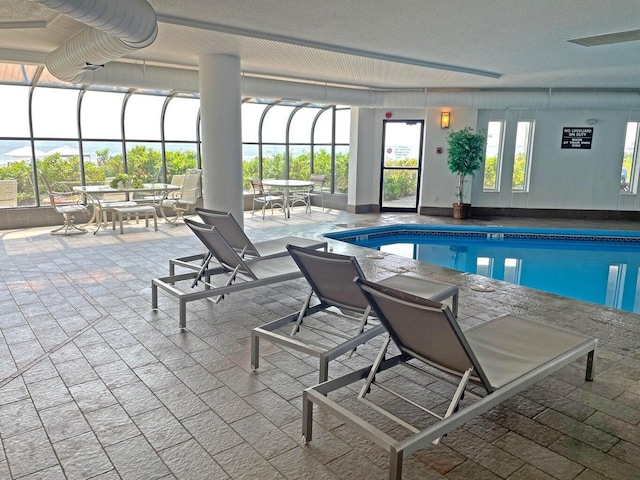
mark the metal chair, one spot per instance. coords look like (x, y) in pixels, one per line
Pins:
(317, 190)
(304, 196)
(180, 202)
(263, 195)
(66, 203)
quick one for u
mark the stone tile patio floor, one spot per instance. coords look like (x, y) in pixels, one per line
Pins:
(93, 384)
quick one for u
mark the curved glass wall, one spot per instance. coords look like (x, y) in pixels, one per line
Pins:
(294, 141)
(78, 135)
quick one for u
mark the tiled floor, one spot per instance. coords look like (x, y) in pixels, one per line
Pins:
(93, 384)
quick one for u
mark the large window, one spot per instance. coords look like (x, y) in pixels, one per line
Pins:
(493, 156)
(293, 140)
(629, 175)
(14, 99)
(55, 113)
(522, 156)
(85, 135)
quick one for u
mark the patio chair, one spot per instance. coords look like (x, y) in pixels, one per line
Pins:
(177, 180)
(331, 279)
(503, 356)
(304, 196)
(251, 273)
(66, 203)
(181, 201)
(262, 195)
(8, 193)
(106, 203)
(233, 233)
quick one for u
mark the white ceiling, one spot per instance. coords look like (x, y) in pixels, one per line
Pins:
(385, 44)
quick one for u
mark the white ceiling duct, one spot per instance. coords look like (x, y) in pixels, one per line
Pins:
(485, 99)
(117, 27)
(163, 78)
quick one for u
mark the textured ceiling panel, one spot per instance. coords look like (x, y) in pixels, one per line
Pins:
(24, 11)
(377, 43)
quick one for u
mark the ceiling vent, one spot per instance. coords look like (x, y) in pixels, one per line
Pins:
(607, 39)
(116, 27)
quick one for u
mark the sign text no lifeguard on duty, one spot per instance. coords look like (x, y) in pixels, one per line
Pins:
(577, 137)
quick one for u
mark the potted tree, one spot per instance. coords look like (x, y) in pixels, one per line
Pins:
(466, 151)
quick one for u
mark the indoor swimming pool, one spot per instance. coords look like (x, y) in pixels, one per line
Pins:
(598, 266)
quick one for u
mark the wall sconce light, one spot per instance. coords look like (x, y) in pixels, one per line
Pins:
(591, 121)
(445, 117)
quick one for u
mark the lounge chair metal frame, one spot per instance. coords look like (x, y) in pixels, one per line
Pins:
(235, 236)
(253, 273)
(502, 388)
(331, 279)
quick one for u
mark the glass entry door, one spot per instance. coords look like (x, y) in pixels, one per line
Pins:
(401, 154)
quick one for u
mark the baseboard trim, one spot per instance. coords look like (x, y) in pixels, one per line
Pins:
(371, 208)
(537, 213)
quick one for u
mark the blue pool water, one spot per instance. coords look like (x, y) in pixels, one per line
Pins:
(594, 265)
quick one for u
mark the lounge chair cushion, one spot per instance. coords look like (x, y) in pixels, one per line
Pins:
(509, 346)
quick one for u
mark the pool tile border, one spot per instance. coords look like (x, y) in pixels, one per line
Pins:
(492, 233)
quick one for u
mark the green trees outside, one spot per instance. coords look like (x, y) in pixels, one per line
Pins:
(490, 172)
(64, 172)
(627, 166)
(519, 166)
(490, 179)
(299, 168)
(146, 163)
(400, 183)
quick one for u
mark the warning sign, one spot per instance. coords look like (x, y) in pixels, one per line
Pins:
(577, 137)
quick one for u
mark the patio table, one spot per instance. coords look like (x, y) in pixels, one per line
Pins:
(95, 193)
(286, 185)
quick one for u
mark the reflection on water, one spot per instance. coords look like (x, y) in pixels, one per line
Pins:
(604, 273)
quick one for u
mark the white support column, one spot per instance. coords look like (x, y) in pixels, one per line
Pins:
(221, 127)
(364, 163)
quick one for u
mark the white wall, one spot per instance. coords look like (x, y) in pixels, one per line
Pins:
(364, 155)
(559, 178)
(366, 151)
(438, 187)
(562, 178)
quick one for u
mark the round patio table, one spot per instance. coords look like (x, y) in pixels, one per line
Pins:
(286, 185)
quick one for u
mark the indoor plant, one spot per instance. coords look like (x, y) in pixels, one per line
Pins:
(466, 151)
(124, 180)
